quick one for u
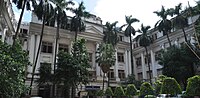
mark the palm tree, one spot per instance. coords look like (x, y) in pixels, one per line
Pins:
(129, 31)
(180, 21)
(21, 4)
(110, 33)
(164, 24)
(77, 25)
(42, 10)
(145, 41)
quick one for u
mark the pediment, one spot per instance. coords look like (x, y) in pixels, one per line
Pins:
(93, 30)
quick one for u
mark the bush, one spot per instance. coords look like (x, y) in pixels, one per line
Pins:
(108, 92)
(170, 86)
(158, 84)
(193, 87)
(150, 96)
(100, 93)
(119, 91)
(131, 90)
(146, 89)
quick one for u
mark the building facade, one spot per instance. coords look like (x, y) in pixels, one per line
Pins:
(159, 42)
(93, 36)
(6, 21)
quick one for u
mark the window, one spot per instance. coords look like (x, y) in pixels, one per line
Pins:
(90, 57)
(149, 58)
(120, 57)
(46, 47)
(121, 74)
(140, 76)
(157, 55)
(138, 61)
(156, 36)
(111, 74)
(24, 31)
(63, 47)
(121, 38)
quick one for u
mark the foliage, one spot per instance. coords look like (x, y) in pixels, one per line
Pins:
(193, 87)
(108, 92)
(106, 56)
(110, 33)
(131, 90)
(131, 80)
(13, 63)
(119, 91)
(170, 86)
(100, 93)
(158, 84)
(19, 4)
(91, 93)
(178, 63)
(144, 39)
(45, 76)
(146, 89)
(72, 68)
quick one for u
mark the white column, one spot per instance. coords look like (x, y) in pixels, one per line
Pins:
(31, 52)
(129, 62)
(154, 69)
(126, 63)
(36, 49)
(144, 73)
(3, 35)
(116, 67)
(134, 64)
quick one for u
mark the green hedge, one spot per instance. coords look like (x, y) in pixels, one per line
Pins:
(193, 87)
(131, 90)
(100, 93)
(108, 92)
(146, 89)
(119, 91)
(150, 96)
(170, 86)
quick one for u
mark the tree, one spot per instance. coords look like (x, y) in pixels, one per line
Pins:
(77, 25)
(45, 77)
(21, 4)
(129, 31)
(110, 33)
(178, 63)
(13, 62)
(170, 86)
(42, 10)
(61, 6)
(145, 40)
(105, 57)
(180, 21)
(164, 24)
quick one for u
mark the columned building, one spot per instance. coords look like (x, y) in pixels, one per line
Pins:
(159, 42)
(6, 21)
(93, 36)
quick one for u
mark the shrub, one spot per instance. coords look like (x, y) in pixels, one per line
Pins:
(158, 84)
(100, 93)
(108, 92)
(193, 87)
(91, 93)
(119, 91)
(131, 90)
(170, 86)
(146, 89)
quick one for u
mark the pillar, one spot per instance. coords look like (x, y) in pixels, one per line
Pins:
(126, 63)
(144, 73)
(154, 69)
(97, 64)
(116, 67)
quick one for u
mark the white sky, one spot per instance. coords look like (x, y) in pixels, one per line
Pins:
(115, 10)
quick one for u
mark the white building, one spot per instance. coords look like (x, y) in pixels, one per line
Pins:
(93, 36)
(6, 21)
(159, 42)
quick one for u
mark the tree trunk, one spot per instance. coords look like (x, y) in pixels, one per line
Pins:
(19, 22)
(168, 38)
(147, 55)
(38, 51)
(103, 80)
(184, 35)
(55, 52)
(108, 84)
(131, 50)
(73, 92)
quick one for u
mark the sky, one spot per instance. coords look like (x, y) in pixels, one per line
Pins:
(115, 10)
